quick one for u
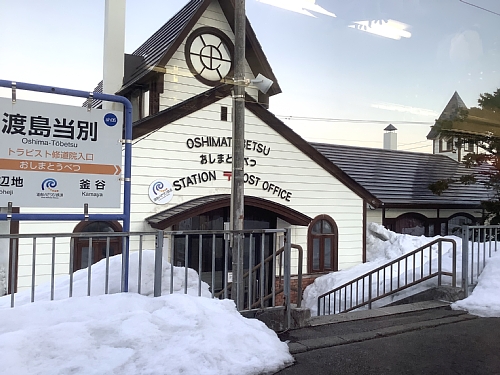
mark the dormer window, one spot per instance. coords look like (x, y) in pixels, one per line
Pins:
(140, 104)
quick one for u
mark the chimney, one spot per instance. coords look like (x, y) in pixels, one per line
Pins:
(114, 49)
(390, 138)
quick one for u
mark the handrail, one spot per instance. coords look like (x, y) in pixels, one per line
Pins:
(375, 275)
(268, 260)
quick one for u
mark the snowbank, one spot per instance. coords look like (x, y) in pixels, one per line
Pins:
(98, 273)
(383, 246)
(129, 333)
(485, 298)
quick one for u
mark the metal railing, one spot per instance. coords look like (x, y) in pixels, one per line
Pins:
(258, 301)
(478, 243)
(402, 273)
(47, 255)
(199, 250)
(152, 272)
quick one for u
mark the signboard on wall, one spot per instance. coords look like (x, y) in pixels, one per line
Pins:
(160, 191)
(54, 155)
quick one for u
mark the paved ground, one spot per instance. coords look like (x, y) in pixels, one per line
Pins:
(420, 342)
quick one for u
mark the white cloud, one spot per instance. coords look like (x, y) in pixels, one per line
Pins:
(388, 29)
(299, 6)
(406, 109)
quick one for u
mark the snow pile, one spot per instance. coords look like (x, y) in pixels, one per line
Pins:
(383, 246)
(98, 274)
(485, 298)
(129, 333)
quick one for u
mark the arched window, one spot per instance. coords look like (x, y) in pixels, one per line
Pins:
(412, 223)
(456, 221)
(322, 239)
(83, 252)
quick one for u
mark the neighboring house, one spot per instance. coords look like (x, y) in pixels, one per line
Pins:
(476, 122)
(327, 194)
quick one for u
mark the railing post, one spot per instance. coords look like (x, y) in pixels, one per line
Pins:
(13, 273)
(454, 265)
(369, 291)
(465, 260)
(440, 261)
(287, 276)
(158, 263)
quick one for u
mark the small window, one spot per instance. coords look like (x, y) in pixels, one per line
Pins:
(145, 104)
(223, 113)
(469, 146)
(446, 145)
(322, 245)
(457, 221)
(412, 223)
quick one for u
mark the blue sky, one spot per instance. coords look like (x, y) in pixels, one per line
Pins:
(325, 69)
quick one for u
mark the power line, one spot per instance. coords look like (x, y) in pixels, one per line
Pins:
(413, 143)
(477, 6)
(357, 121)
(415, 148)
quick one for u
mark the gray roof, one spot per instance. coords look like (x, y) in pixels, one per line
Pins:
(153, 49)
(401, 178)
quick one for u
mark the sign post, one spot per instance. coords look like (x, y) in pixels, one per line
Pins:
(65, 156)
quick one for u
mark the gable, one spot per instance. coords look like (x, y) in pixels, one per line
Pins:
(156, 62)
(161, 47)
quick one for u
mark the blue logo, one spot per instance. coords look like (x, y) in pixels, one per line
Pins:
(110, 119)
(49, 184)
(158, 188)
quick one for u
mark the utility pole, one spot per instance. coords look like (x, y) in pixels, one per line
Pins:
(237, 185)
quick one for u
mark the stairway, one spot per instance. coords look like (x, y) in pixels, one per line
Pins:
(346, 328)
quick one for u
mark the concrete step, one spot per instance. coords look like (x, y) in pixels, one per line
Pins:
(364, 325)
(373, 313)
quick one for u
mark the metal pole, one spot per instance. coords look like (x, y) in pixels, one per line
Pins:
(237, 186)
(158, 264)
(465, 260)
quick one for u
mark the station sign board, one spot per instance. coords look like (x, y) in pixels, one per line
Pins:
(63, 156)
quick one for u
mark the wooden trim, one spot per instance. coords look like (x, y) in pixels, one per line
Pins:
(254, 54)
(14, 229)
(291, 216)
(117, 227)
(364, 230)
(188, 27)
(196, 103)
(267, 117)
(390, 223)
(187, 50)
(431, 206)
(178, 111)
